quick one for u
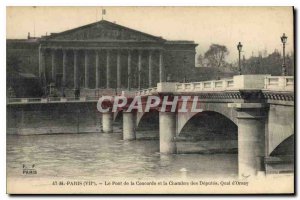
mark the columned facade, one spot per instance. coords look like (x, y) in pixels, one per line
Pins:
(118, 70)
(108, 56)
(86, 69)
(129, 75)
(108, 73)
(64, 71)
(82, 58)
(41, 62)
(97, 69)
(53, 61)
(75, 68)
(161, 67)
(139, 69)
(150, 69)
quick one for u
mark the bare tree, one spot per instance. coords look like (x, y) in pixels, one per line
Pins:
(200, 60)
(216, 55)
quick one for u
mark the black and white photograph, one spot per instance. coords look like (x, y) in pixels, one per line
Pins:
(150, 100)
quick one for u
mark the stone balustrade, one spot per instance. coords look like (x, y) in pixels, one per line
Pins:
(240, 82)
(279, 83)
(50, 100)
(215, 85)
(146, 92)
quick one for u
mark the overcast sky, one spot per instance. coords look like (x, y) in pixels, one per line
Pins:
(258, 28)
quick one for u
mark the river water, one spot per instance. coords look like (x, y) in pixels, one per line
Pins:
(100, 155)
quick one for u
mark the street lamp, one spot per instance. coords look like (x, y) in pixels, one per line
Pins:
(283, 40)
(239, 47)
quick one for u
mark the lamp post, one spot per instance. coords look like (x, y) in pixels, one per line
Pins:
(239, 47)
(283, 40)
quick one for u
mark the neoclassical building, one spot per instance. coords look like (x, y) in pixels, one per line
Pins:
(105, 55)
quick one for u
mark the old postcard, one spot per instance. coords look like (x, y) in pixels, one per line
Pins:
(150, 100)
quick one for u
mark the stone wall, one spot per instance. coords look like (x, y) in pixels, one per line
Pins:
(26, 52)
(280, 125)
(53, 118)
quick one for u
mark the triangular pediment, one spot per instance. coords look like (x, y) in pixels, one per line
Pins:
(103, 31)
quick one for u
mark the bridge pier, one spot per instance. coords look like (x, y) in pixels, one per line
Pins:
(251, 141)
(129, 126)
(167, 132)
(107, 122)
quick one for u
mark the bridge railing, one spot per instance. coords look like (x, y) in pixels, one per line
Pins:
(145, 92)
(215, 85)
(239, 82)
(23, 100)
(256, 82)
(50, 100)
(279, 83)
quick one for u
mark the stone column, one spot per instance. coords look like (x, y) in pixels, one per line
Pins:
(41, 62)
(75, 68)
(139, 69)
(129, 71)
(86, 69)
(161, 67)
(118, 70)
(167, 132)
(150, 69)
(42, 69)
(64, 77)
(251, 140)
(108, 69)
(97, 70)
(129, 125)
(107, 120)
(53, 62)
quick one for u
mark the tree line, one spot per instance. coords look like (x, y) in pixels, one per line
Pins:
(263, 63)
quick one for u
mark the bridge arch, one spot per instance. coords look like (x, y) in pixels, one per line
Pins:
(118, 116)
(280, 126)
(218, 108)
(206, 121)
(147, 120)
(286, 147)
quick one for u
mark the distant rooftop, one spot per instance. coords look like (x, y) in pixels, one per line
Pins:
(112, 24)
(180, 42)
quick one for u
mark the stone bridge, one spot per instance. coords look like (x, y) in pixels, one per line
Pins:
(261, 107)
